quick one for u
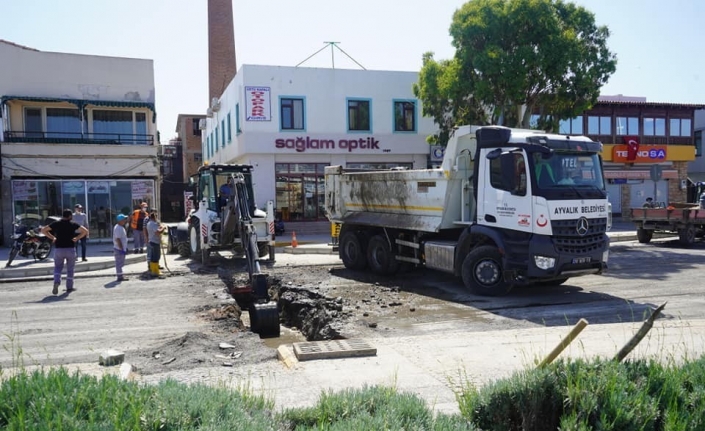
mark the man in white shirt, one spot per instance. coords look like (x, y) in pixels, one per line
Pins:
(81, 219)
(120, 245)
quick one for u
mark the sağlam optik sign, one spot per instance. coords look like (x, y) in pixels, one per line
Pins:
(302, 144)
(258, 105)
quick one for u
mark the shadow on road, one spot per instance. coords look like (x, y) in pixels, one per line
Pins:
(654, 261)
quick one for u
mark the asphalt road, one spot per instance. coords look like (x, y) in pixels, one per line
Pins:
(447, 322)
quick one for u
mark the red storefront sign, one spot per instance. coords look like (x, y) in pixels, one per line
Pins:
(642, 154)
(639, 175)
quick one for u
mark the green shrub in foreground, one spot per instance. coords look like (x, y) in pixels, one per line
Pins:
(372, 408)
(56, 400)
(601, 395)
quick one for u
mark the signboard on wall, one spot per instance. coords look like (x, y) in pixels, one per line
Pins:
(73, 187)
(24, 190)
(142, 190)
(644, 154)
(188, 203)
(437, 153)
(98, 187)
(258, 104)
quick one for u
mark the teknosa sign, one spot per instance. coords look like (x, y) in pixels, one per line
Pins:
(644, 154)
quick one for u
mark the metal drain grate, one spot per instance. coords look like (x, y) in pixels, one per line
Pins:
(333, 349)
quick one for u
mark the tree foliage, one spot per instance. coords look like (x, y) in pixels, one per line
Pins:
(515, 58)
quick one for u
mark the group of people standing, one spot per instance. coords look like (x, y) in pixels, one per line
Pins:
(72, 230)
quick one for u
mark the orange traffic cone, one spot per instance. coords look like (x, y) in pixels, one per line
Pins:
(294, 243)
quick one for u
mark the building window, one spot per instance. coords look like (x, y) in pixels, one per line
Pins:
(197, 157)
(698, 143)
(654, 126)
(573, 126)
(230, 133)
(222, 133)
(300, 191)
(680, 127)
(404, 115)
(627, 126)
(359, 115)
(292, 114)
(196, 126)
(237, 119)
(216, 142)
(599, 125)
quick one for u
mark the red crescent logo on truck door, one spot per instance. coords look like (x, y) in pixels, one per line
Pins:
(541, 221)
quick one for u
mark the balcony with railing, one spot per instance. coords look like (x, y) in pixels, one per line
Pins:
(78, 138)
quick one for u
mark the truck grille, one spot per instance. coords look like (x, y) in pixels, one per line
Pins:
(566, 238)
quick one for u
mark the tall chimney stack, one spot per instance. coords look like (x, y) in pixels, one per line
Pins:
(221, 47)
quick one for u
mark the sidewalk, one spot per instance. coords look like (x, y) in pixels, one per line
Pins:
(100, 255)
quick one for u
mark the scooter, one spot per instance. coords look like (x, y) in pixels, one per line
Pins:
(29, 242)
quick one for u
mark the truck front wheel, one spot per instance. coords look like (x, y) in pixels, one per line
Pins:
(352, 251)
(195, 241)
(482, 272)
(644, 235)
(380, 257)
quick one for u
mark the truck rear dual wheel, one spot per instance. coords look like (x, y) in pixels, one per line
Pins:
(482, 272)
(686, 236)
(353, 249)
(380, 257)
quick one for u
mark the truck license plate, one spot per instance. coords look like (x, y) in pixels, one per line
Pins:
(581, 260)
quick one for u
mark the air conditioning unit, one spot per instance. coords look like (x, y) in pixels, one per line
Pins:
(209, 113)
(202, 124)
(215, 104)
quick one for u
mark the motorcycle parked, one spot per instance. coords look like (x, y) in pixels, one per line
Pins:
(28, 241)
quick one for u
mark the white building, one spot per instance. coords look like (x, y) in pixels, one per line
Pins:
(76, 129)
(291, 122)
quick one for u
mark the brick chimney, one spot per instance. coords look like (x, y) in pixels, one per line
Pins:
(221, 47)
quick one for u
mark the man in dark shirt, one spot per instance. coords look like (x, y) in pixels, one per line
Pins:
(63, 234)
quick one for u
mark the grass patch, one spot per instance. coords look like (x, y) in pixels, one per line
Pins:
(641, 395)
(579, 395)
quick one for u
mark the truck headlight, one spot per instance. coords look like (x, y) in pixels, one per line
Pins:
(545, 262)
(605, 256)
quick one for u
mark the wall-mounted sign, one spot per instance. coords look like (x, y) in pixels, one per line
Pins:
(73, 187)
(24, 190)
(98, 187)
(639, 175)
(257, 104)
(142, 190)
(437, 153)
(303, 144)
(645, 154)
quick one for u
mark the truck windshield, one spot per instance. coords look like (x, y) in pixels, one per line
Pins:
(568, 173)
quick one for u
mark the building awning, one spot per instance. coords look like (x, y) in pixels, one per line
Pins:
(696, 177)
(81, 103)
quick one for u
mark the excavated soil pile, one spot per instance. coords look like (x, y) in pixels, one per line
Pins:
(197, 349)
(316, 316)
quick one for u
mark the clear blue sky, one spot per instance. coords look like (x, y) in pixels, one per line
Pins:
(657, 42)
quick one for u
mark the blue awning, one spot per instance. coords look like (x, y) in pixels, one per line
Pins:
(81, 103)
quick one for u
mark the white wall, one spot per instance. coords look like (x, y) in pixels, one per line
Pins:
(326, 92)
(25, 72)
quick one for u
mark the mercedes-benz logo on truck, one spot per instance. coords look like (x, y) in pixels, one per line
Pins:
(583, 226)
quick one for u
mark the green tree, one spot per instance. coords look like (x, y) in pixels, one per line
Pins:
(515, 58)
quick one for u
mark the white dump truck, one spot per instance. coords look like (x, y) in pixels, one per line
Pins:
(507, 207)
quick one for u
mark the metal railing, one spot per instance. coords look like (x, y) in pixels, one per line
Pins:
(78, 138)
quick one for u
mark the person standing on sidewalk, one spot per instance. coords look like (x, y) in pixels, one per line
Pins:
(80, 218)
(137, 225)
(63, 234)
(120, 245)
(155, 230)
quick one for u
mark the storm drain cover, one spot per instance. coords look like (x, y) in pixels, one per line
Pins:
(333, 349)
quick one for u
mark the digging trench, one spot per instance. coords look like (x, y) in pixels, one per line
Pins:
(316, 316)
